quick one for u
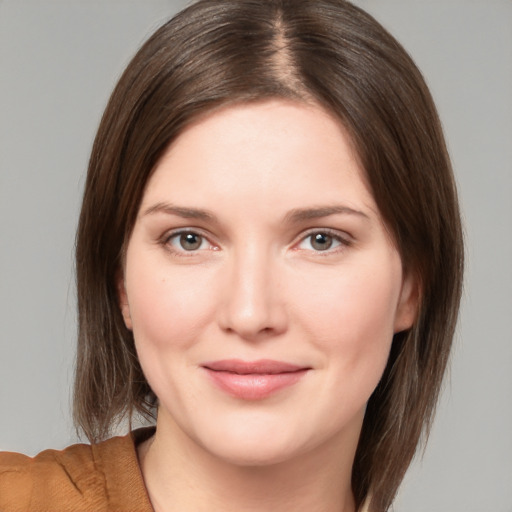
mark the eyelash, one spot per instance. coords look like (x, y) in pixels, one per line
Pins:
(343, 241)
(166, 241)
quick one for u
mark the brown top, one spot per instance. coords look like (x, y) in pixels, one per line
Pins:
(104, 477)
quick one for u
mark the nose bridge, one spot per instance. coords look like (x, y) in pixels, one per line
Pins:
(253, 304)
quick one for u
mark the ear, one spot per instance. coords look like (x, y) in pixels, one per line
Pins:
(408, 303)
(123, 301)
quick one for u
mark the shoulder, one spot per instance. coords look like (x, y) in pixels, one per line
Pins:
(82, 477)
(53, 478)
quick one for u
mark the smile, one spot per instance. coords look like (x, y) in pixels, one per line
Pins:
(254, 380)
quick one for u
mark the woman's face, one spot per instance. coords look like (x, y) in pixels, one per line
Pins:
(261, 285)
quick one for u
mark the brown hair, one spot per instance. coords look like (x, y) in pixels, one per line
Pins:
(223, 51)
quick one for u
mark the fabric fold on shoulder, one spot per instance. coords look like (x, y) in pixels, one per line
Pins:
(104, 477)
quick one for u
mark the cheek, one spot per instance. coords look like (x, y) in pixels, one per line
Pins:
(349, 316)
(167, 309)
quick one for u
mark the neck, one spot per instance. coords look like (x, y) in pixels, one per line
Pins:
(182, 476)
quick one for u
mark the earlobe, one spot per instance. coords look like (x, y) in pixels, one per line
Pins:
(123, 302)
(408, 304)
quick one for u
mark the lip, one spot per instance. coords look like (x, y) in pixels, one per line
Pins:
(253, 380)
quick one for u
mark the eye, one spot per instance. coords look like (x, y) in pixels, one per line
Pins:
(187, 241)
(320, 241)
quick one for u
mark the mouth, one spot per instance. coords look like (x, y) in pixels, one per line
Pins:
(253, 380)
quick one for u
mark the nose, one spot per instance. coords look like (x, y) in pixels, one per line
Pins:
(253, 305)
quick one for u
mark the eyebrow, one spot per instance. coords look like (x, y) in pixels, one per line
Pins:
(180, 211)
(292, 217)
(302, 214)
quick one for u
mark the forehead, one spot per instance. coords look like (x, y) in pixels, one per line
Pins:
(275, 150)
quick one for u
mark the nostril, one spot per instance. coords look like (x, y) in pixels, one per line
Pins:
(251, 305)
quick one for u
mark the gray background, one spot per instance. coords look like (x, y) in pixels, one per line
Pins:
(58, 62)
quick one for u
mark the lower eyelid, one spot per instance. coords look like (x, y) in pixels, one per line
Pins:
(167, 241)
(340, 240)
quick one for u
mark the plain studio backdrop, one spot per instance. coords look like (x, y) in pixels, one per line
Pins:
(58, 63)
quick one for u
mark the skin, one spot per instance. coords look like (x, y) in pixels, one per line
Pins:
(255, 285)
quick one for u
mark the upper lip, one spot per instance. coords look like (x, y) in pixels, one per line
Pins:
(261, 366)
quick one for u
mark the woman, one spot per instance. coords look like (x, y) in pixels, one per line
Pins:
(269, 260)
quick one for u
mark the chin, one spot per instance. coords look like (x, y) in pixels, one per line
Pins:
(259, 445)
(254, 454)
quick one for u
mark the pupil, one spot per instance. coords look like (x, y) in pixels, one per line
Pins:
(321, 241)
(190, 241)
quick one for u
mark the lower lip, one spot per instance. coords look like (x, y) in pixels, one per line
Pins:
(254, 386)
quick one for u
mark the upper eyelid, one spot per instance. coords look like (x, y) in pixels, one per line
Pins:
(173, 249)
(344, 242)
(168, 235)
(342, 236)
(180, 231)
(335, 233)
